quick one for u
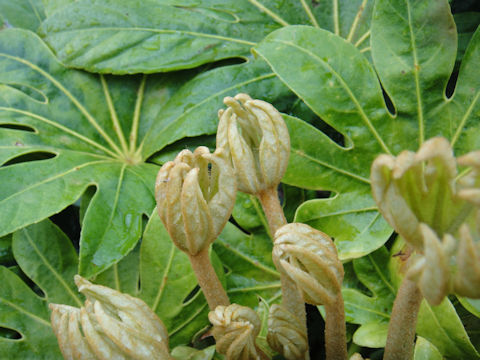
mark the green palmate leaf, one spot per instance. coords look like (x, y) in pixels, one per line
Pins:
(441, 326)
(121, 37)
(424, 350)
(97, 132)
(250, 270)
(166, 282)
(348, 19)
(371, 312)
(413, 48)
(25, 312)
(123, 276)
(47, 256)
(26, 14)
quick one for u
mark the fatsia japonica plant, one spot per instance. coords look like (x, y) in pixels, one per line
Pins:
(180, 177)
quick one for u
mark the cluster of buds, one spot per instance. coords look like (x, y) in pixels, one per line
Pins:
(419, 196)
(195, 195)
(286, 335)
(110, 325)
(235, 329)
(310, 258)
(254, 135)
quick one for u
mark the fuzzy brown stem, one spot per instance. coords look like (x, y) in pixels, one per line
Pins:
(292, 298)
(272, 208)
(401, 329)
(208, 280)
(335, 330)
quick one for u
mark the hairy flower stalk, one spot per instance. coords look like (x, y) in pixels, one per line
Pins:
(110, 325)
(235, 329)
(310, 258)
(195, 195)
(255, 137)
(418, 194)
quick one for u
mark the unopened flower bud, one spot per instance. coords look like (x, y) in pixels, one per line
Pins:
(431, 270)
(310, 258)
(111, 325)
(253, 133)
(66, 326)
(419, 196)
(235, 329)
(415, 188)
(195, 195)
(286, 335)
(467, 278)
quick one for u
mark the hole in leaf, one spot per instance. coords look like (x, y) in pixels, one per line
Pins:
(17, 127)
(10, 334)
(68, 221)
(17, 271)
(34, 156)
(191, 295)
(452, 83)
(31, 92)
(389, 103)
(237, 225)
(302, 111)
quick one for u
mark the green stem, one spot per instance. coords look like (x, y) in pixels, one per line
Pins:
(401, 329)
(335, 330)
(208, 280)
(292, 298)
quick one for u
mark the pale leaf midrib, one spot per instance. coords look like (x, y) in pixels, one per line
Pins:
(23, 311)
(160, 31)
(33, 186)
(68, 94)
(52, 270)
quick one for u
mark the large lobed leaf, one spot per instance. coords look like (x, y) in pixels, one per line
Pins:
(413, 48)
(97, 132)
(112, 36)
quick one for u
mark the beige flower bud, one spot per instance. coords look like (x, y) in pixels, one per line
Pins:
(431, 270)
(420, 187)
(310, 258)
(253, 133)
(286, 335)
(111, 325)
(200, 187)
(66, 326)
(467, 278)
(235, 329)
(419, 196)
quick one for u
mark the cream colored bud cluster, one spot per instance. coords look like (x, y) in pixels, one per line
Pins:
(418, 194)
(253, 133)
(195, 195)
(286, 335)
(110, 325)
(235, 329)
(310, 258)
